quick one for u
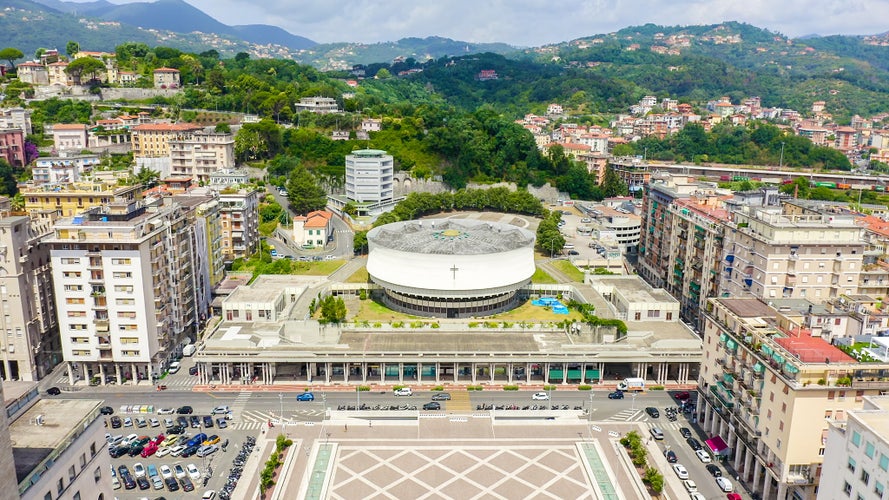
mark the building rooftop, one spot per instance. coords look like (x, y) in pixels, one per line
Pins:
(633, 289)
(63, 420)
(747, 308)
(875, 418)
(813, 350)
(368, 153)
(450, 237)
(268, 287)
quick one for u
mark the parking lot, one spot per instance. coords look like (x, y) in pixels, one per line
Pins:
(193, 469)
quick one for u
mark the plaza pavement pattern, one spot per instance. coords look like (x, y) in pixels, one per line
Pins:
(456, 456)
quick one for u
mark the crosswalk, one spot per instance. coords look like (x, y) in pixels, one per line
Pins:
(627, 416)
(185, 383)
(256, 419)
(641, 417)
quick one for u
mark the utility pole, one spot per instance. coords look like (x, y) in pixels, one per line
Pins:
(781, 161)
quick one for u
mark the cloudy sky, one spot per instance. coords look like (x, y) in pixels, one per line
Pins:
(538, 22)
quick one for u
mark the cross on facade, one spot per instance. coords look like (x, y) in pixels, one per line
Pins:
(454, 270)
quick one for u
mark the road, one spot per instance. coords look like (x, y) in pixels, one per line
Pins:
(341, 247)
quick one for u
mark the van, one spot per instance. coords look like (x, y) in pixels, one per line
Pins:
(568, 246)
(657, 433)
(404, 391)
(189, 350)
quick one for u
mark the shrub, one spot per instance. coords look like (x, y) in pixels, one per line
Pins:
(656, 388)
(397, 324)
(396, 387)
(491, 324)
(363, 388)
(584, 387)
(474, 388)
(434, 324)
(473, 324)
(417, 324)
(549, 388)
(438, 388)
(362, 294)
(378, 325)
(510, 387)
(506, 324)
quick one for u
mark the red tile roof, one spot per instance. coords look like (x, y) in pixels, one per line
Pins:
(814, 350)
(166, 70)
(166, 127)
(69, 126)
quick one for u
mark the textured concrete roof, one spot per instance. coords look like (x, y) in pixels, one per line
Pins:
(450, 237)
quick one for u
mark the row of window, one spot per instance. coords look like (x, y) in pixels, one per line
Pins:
(88, 352)
(117, 288)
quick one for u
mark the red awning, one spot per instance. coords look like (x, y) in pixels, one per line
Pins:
(717, 445)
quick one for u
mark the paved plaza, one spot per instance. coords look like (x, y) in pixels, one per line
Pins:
(457, 456)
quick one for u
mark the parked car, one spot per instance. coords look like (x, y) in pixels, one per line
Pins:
(162, 452)
(182, 421)
(220, 410)
(193, 472)
(432, 405)
(703, 456)
(135, 449)
(172, 485)
(221, 423)
(616, 395)
(166, 411)
(714, 470)
(690, 485)
(652, 412)
(695, 445)
(174, 367)
(197, 439)
(177, 450)
(185, 410)
(732, 496)
(211, 440)
(150, 449)
(540, 396)
(157, 483)
(681, 471)
(681, 395)
(208, 495)
(138, 469)
(154, 422)
(208, 421)
(203, 451)
(306, 396)
(441, 396)
(671, 456)
(116, 423)
(191, 450)
(179, 471)
(724, 484)
(686, 433)
(176, 429)
(53, 391)
(195, 422)
(106, 410)
(166, 471)
(186, 483)
(118, 451)
(404, 391)
(143, 483)
(127, 422)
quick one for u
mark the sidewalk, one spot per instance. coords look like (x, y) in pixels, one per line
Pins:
(389, 387)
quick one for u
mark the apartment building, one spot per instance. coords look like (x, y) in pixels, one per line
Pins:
(369, 174)
(152, 140)
(209, 264)
(29, 331)
(127, 275)
(19, 118)
(791, 252)
(200, 154)
(70, 137)
(8, 480)
(320, 105)
(62, 169)
(770, 393)
(857, 453)
(239, 214)
(67, 199)
(696, 226)
(12, 146)
(59, 452)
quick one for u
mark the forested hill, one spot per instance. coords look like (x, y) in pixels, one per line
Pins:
(695, 62)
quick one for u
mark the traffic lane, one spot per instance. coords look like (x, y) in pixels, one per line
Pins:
(697, 470)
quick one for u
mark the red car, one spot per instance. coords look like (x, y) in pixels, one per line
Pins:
(681, 396)
(733, 496)
(150, 449)
(159, 439)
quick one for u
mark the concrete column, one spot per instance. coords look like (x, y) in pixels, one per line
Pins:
(310, 372)
(756, 475)
(510, 369)
(546, 373)
(456, 372)
(116, 373)
(564, 373)
(437, 372)
(102, 373)
(328, 367)
(347, 367)
(527, 373)
(748, 459)
(148, 373)
(474, 369)
(601, 372)
(582, 373)
(491, 367)
(382, 372)
(739, 449)
(400, 373)
(782, 491)
(364, 369)
(767, 487)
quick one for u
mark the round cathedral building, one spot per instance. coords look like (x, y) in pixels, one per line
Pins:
(450, 268)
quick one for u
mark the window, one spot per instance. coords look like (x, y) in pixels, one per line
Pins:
(847, 488)
(120, 262)
(48, 496)
(669, 316)
(71, 473)
(884, 462)
(828, 414)
(71, 274)
(73, 288)
(654, 314)
(121, 275)
(851, 464)
(125, 302)
(856, 438)
(869, 449)
(638, 316)
(878, 489)
(70, 261)
(82, 460)
(865, 476)
(97, 474)
(60, 487)
(74, 300)
(92, 449)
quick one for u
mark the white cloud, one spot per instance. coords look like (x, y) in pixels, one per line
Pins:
(537, 22)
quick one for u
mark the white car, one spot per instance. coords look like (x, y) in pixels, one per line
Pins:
(174, 367)
(139, 469)
(166, 471)
(154, 422)
(193, 472)
(703, 456)
(208, 495)
(127, 422)
(162, 452)
(697, 496)
(690, 485)
(166, 411)
(177, 450)
(404, 391)
(207, 450)
(179, 471)
(129, 439)
(680, 471)
(540, 396)
(724, 484)
(220, 410)
(115, 483)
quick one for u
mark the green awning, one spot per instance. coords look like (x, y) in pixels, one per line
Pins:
(573, 374)
(790, 368)
(728, 378)
(731, 345)
(722, 337)
(759, 367)
(777, 357)
(766, 350)
(555, 374)
(592, 374)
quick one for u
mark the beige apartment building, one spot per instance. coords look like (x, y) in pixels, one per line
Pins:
(69, 199)
(127, 278)
(29, 331)
(792, 253)
(152, 140)
(239, 214)
(200, 154)
(770, 390)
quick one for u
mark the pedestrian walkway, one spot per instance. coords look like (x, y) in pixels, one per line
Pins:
(459, 401)
(626, 416)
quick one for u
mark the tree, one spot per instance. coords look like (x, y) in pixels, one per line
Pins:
(223, 128)
(612, 184)
(383, 74)
(11, 54)
(72, 48)
(359, 243)
(8, 184)
(333, 309)
(146, 177)
(304, 193)
(84, 66)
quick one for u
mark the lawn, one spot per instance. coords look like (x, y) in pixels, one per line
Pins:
(529, 312)
(360, 276)
(542, 278)
(374, 311)
(568, 268)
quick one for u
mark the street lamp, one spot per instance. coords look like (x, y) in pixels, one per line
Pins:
(634, 401)
(590, 415)
(281, 415)
(781, 161)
